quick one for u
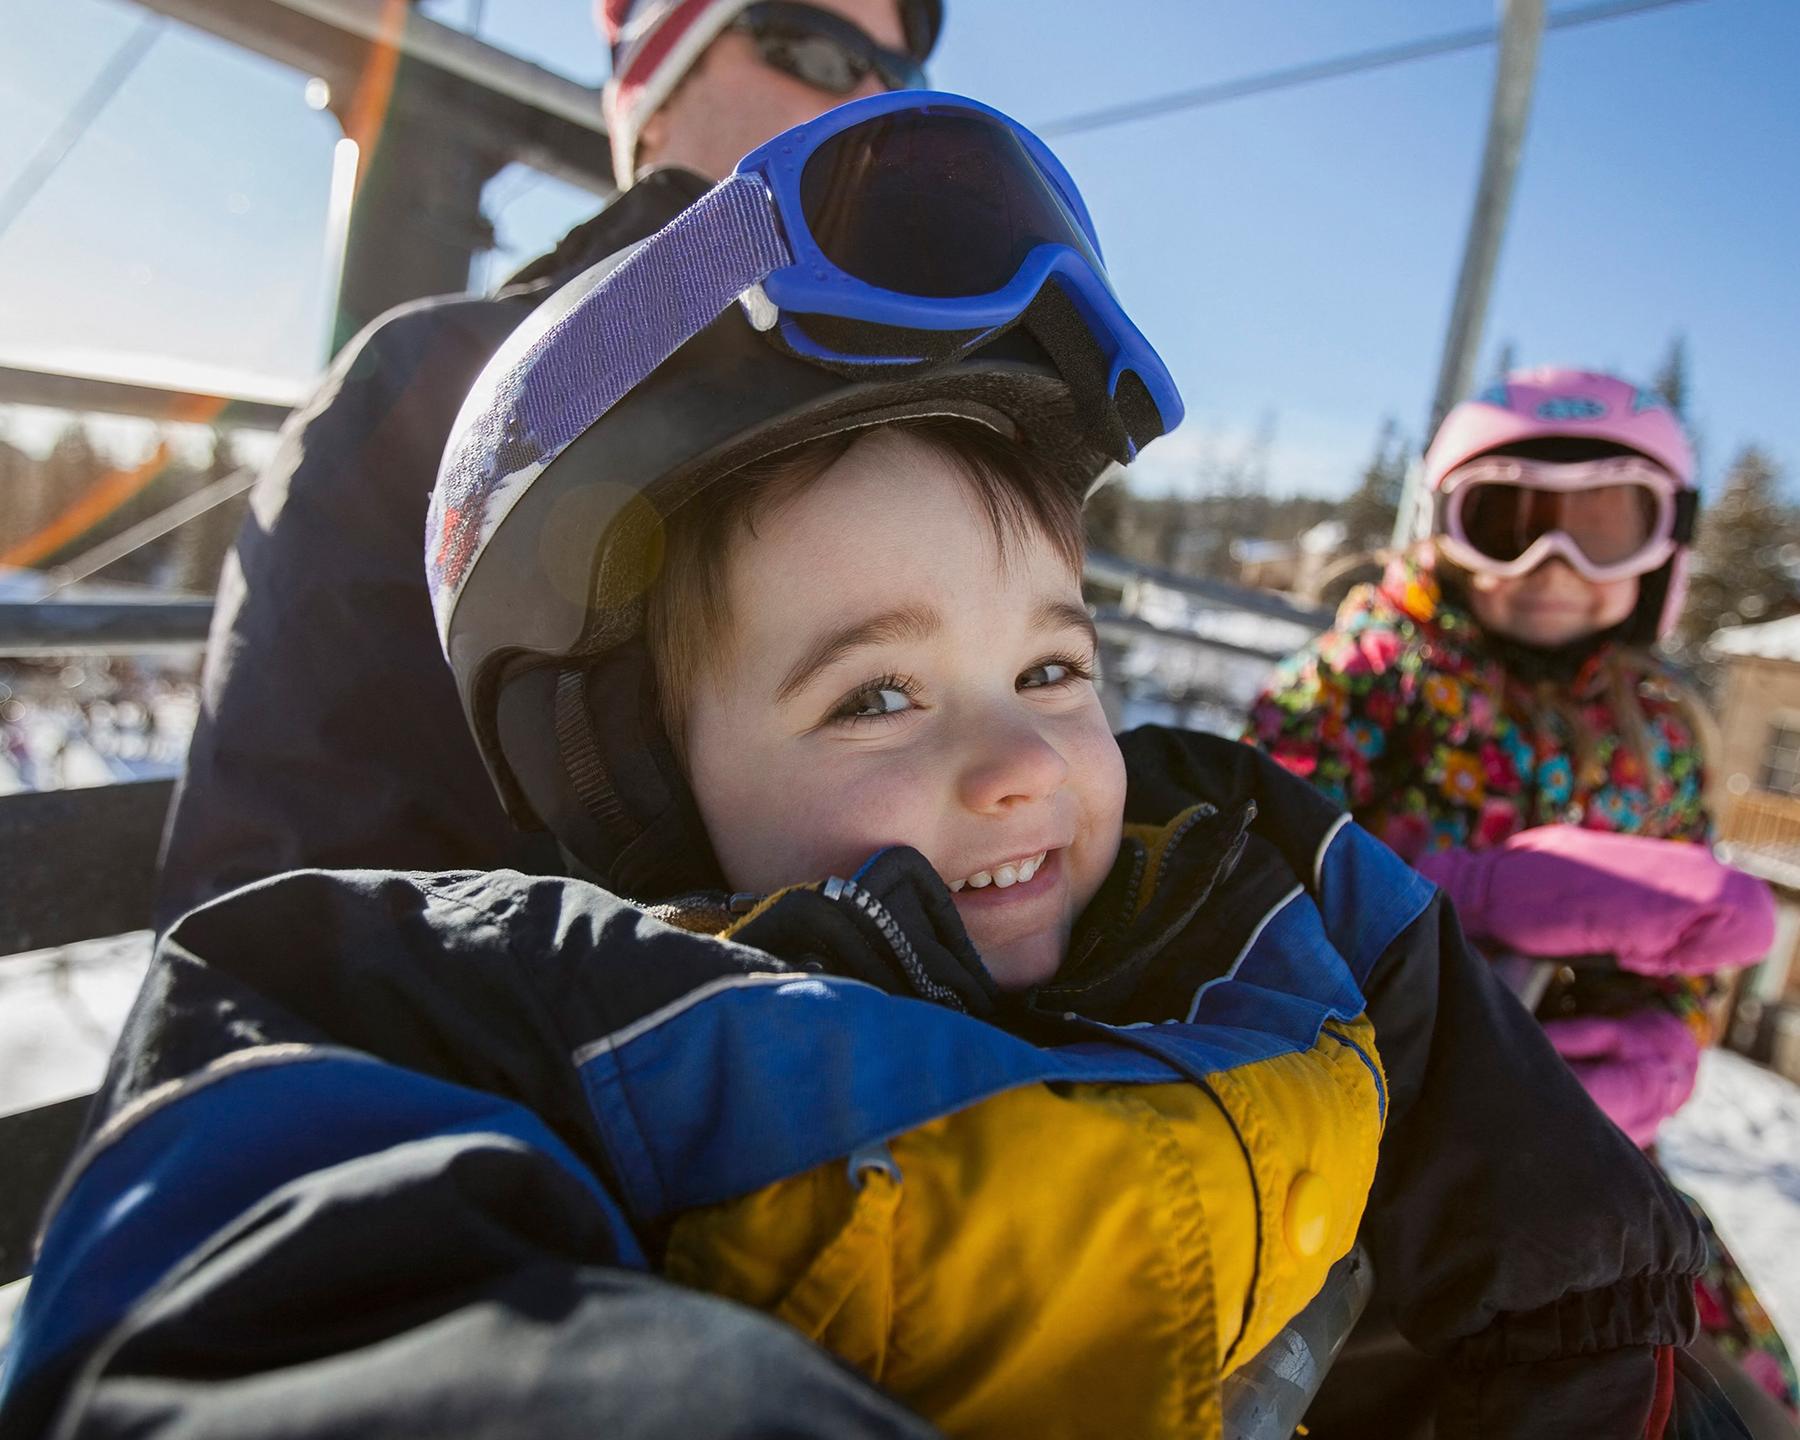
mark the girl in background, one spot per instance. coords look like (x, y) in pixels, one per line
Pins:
(1492, 709)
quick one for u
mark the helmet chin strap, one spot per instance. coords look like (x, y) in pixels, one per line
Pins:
(624, 771)
(585, 749)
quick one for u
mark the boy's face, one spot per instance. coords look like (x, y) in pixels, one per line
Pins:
(891, 681)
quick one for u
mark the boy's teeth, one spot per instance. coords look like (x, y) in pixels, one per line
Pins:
(1003, 875)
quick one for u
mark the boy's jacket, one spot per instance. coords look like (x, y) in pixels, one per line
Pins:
(352, 1107)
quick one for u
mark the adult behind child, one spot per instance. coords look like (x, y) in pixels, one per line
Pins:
(1494, 711)
(300, 756)
(1043, 1115)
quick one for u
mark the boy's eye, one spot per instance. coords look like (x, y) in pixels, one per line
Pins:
(1053, 672)
(873, 701)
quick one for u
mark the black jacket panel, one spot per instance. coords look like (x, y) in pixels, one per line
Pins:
(330, 733)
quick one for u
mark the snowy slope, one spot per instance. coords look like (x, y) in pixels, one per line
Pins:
(60, 1012)
(1735, 1147)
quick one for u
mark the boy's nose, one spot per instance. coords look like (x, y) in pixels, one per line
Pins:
(1008, 766)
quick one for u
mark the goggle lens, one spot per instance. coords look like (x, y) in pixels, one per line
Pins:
(1609, 524)
(935, 204)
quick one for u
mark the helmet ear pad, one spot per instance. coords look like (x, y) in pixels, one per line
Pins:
(585, 745)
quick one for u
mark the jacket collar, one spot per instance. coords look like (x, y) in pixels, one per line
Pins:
(894, 924)
(1158, 892)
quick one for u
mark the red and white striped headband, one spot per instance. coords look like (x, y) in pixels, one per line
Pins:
(654, 44)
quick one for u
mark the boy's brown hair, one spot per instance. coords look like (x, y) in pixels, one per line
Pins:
(687, 623)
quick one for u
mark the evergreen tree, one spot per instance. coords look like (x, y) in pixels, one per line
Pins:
(55, 482)
(18, 488)
(1506, 360)
(1368, 514)
(166, 479)
(203, 542)
(73, 463)
(1738, 573)
(1243, 509)
(1671, 379)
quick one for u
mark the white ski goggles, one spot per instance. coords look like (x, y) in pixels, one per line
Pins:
(1609, 519)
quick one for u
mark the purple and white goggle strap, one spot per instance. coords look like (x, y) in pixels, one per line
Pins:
(557, 377)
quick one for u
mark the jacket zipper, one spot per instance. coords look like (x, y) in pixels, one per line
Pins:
(838, 889)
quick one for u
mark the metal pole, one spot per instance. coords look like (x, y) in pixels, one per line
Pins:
(75, 124)
(91, 562)
(465, 57)
(111, 627)
(1521, 31)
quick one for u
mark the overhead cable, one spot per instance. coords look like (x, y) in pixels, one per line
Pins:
(1292, 76)
(82, 114)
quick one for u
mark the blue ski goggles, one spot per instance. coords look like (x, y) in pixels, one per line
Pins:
(917, 226)
(899, 230)
(889, 242)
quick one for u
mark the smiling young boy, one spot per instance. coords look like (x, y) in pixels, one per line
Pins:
(881, 640)
(1029, 1072)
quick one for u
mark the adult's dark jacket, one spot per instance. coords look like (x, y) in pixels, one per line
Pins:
(386, 1153)
(330, 733)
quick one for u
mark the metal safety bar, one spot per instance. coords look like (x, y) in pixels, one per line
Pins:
(119, 393)
(1266, 1398)
(536, 116)
(64, 627)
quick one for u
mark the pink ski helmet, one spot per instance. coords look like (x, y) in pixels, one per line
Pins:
(1555, 403)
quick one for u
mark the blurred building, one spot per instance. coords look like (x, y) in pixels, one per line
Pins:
(1290, 566)
(1759, 817)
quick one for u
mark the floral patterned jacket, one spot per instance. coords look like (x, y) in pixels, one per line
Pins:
(1403, 714)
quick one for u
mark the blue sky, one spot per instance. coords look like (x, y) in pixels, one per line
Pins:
(1291, 254)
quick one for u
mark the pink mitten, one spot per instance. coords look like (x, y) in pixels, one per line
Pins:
(1638, 1068)
(1660, 907)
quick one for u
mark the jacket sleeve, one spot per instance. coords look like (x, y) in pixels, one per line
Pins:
(343, 1180)
(301, 757)
(1513, 1230)
(1512, 1227)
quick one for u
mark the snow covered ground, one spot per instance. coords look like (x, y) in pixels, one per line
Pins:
(60, 1012)
(1735, 1147)
(92, 722)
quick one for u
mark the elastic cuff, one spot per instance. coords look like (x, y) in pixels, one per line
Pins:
(1641, 1312)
